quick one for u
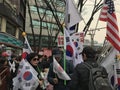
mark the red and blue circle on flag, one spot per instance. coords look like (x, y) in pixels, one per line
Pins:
(69, 51)
(27, 76)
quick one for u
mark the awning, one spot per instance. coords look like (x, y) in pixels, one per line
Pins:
(10, 40)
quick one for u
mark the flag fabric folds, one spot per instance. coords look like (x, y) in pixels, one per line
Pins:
(59, 70)
(103, 14)
(77, 39)
(108, 15)
(72, 17)
(26, 48)
(69, 45)
(26, 78)
(112, 65)
(74, 47)
(109, 63)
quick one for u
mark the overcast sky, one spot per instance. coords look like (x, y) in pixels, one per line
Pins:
(99, 35)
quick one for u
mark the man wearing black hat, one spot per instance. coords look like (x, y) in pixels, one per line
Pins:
(59, 84)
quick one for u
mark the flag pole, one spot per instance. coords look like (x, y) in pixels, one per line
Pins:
(24, 35)
(64, 51)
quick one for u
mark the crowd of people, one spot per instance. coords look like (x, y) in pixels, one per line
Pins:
(48, 79)
(9, 66)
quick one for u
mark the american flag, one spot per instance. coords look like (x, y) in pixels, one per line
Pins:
(108, 15)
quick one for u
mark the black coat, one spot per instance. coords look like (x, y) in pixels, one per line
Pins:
(51, 75)
(38, 70)
(80, 77)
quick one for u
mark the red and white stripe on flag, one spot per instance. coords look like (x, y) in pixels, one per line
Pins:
(103, 14)
(108, 15)
(60, 41)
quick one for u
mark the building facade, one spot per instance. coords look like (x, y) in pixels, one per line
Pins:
(12, 24)
(43, 22)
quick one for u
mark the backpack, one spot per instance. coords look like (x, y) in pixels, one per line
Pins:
(97, 81)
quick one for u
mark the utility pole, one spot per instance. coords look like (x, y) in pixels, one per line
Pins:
(91, 33)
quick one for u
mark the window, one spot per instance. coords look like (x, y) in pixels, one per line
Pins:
(10, 29)
(20, 36)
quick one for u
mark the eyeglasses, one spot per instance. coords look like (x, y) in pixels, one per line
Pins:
(35, 59)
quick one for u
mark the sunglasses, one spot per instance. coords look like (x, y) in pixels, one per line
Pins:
(35, 59)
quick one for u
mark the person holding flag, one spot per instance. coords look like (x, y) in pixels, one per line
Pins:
(29, 75)
(33, 59)
(58, 77)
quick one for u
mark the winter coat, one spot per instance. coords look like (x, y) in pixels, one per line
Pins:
(61, 83)
(80, 77)
(39, 70)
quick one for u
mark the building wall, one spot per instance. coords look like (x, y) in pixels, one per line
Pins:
(12, 22)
